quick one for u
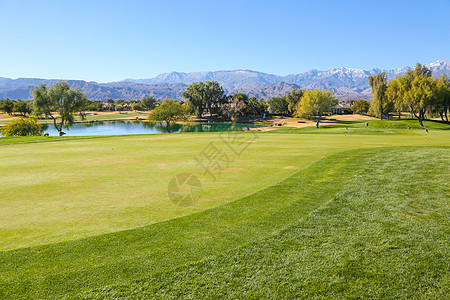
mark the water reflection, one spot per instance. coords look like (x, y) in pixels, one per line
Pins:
(137, 127)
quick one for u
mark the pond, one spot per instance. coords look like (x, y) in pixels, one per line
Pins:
(138, 127)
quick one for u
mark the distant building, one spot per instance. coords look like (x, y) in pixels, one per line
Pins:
(338, 109)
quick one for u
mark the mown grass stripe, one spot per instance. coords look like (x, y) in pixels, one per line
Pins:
(384, 236)
(53, 270)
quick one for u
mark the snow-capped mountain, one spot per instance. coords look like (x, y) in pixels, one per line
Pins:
(229, 79)
(347, 83)
(344, 80)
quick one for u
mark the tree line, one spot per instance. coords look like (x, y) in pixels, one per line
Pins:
(207, 99)
(202, 99)
(25, 107)
(416, 92)
(14, 107)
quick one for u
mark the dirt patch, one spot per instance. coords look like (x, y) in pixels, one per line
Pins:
(163, 166)
(203, 200)
(95, 162)
(263, 129)
(300, 123)
(6, 117)
(291, 168)
(353, 117)
(73, 184)
(289, 147)
(119, 161)
(128, 161)
(232, 170)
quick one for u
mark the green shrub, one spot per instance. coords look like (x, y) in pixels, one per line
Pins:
(22, 127)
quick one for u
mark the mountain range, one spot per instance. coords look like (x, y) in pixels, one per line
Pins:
(347, 83)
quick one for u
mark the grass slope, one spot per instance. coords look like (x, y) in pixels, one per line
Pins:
(167, 252)
(385, 234)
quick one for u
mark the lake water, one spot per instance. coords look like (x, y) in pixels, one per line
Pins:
(138, 127)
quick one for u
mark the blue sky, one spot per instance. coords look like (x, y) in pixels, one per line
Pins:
(112, 40)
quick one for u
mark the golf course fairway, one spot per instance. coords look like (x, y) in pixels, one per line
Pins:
(289, 213)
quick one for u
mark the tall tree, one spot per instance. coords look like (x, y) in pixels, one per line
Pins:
(59, 102)
(416, 90)
(360, 106)
(380, 105)
(442, 101)
(168, 112)
(315, 103)
(111, 104)
(209, 96)
(215, 97)
(21, 107)
(293, 98)
(255, 107)
(195, 96)
(96, 105)
(149, 103)
(242, 105)
(422, 95)
(120, 108)
(7, 106)
(238, 105)
(393, 92)
(279, 105)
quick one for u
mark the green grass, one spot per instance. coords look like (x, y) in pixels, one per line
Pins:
(12, 140)
(412, 123)
(111, 116)
(90, 217)
(353, 129)
(378, 127)
(117, 183)
(319, 232)
(357, 245)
